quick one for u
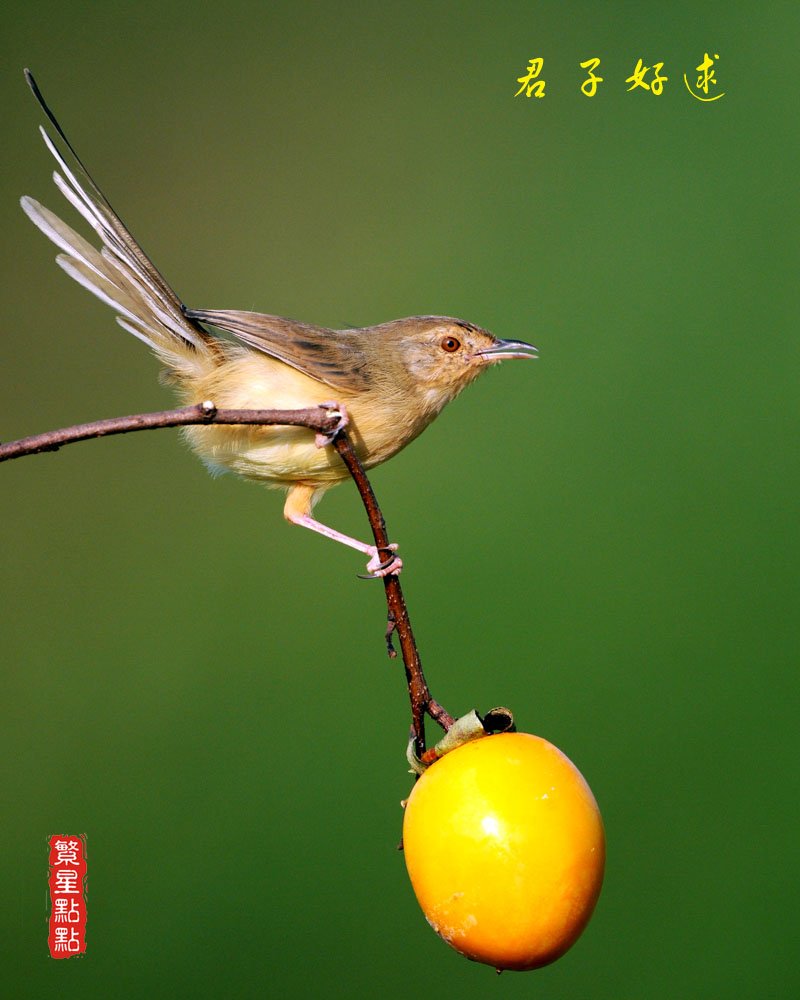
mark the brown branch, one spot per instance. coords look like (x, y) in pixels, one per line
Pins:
(421, 700)
(319, 418)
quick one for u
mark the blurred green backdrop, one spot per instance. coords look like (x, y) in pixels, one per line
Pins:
(606, 540)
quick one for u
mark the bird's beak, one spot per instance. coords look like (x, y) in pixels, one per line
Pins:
(504, 349)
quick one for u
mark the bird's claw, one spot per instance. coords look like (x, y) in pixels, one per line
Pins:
(323, 438)
(378, 567)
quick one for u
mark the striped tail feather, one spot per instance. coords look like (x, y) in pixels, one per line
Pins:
(120, 273)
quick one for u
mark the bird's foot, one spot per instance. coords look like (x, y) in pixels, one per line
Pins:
(323, 438)
(378, 566)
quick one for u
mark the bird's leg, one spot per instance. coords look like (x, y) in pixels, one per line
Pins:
(334, 410)
(376, 566)
(296, 511)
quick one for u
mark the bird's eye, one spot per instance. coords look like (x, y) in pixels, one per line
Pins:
(450, 344)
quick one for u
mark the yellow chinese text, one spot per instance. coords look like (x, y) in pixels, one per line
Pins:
(706, 69)
(589, 87)
(533, 85)
(638, 78)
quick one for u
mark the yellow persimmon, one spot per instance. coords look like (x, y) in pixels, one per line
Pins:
(505, 849)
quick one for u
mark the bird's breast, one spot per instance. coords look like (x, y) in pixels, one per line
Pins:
(382, 422)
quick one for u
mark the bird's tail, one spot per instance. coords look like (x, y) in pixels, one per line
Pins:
(120, 273)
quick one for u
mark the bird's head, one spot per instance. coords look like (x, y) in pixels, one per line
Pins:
(442, 355)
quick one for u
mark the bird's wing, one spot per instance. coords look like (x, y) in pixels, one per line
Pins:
(333, 357)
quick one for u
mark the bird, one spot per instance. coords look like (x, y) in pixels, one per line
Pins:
(386, 383)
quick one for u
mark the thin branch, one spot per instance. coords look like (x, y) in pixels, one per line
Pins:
(318, 418)
(421, 699)
(324, 420)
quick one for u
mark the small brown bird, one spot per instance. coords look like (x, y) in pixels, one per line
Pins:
(389, 381)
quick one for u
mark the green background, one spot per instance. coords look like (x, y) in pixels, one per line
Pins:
(605, 540)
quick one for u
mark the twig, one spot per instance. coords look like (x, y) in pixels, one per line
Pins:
(421, 700)
(318, 418)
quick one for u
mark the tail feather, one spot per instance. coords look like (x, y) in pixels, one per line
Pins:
(151, 336)
(120, 273)
(144, 333)
(64, 237)
(108, 226)
(130, 315)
